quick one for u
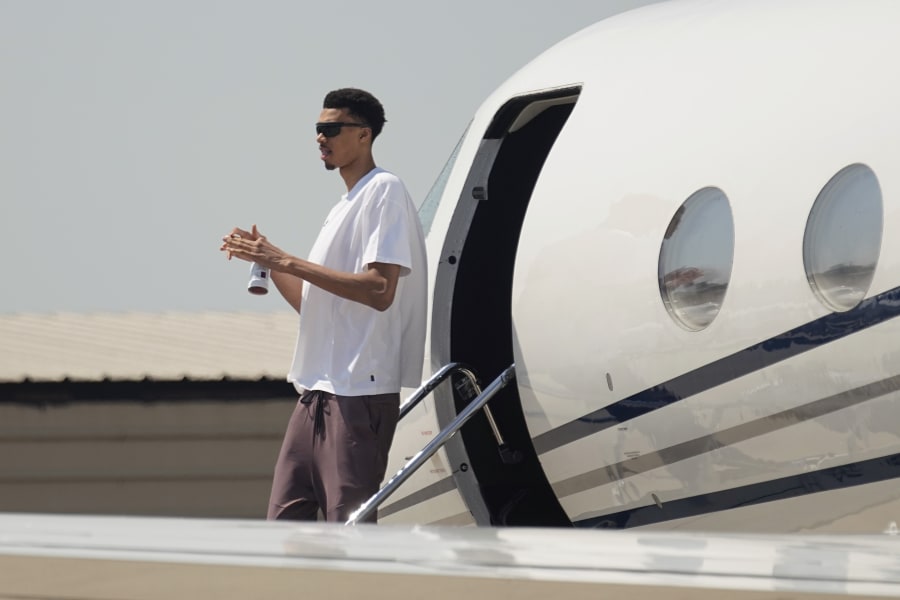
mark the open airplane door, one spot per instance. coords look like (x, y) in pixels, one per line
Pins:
(472, 313)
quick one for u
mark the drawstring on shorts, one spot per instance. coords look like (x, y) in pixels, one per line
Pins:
(317, 396)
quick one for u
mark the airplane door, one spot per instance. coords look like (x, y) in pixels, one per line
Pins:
(476, 272)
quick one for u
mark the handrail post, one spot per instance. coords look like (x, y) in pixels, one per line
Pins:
(370, 505)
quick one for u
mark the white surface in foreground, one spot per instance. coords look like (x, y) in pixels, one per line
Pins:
(45, 556)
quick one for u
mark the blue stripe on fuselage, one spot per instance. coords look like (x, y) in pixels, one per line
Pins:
(824, 330)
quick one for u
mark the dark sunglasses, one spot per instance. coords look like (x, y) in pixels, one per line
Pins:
(333, 129)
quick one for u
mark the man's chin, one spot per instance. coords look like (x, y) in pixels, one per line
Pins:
(330, 166)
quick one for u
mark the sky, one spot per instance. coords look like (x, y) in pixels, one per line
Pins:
(134, 134)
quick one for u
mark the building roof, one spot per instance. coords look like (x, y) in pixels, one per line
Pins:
(136, 346)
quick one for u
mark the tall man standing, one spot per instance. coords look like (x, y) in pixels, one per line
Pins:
(361, 297)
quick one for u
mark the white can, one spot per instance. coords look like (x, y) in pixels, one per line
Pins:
(259, 280)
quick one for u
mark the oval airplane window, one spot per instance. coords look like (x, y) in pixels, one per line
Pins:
(843, 238)
(696, 257)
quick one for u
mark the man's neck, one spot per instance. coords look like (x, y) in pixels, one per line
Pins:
(352, 173)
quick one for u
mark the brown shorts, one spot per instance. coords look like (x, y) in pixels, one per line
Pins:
(334, 455)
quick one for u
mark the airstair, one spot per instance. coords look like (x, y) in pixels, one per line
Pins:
(468, 387)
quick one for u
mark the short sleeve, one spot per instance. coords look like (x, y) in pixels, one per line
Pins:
(387, 228)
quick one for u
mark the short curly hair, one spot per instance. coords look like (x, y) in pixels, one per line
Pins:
(361, 104)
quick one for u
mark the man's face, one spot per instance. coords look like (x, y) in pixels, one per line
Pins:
(345, 147)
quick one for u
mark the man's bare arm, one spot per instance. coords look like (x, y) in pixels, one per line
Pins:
(290, 287)
(374, 287)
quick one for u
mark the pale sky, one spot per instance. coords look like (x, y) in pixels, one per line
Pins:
(135, 134)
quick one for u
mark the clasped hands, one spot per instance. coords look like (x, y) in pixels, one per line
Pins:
(251, 246)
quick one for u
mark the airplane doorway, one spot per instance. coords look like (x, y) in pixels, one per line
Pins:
(520, 138)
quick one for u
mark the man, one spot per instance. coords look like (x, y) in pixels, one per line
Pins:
(361, 297)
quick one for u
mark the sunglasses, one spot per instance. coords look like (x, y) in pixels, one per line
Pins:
(333, 128)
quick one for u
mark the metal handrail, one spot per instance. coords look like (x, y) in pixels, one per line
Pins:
(435, 380)
(370, 505)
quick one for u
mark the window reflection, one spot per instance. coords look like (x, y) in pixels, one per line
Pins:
(843, 238)
(430, 204)
(696, 257)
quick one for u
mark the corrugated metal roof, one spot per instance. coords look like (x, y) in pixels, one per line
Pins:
(134, 346)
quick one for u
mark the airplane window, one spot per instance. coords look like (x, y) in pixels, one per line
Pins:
(431, 202)
(843, 238)
(696, 257)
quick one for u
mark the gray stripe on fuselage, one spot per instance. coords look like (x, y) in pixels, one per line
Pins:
(426, 493)
(814, 334)
(725, 437)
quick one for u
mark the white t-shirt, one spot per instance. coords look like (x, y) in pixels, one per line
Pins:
(347, 348)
